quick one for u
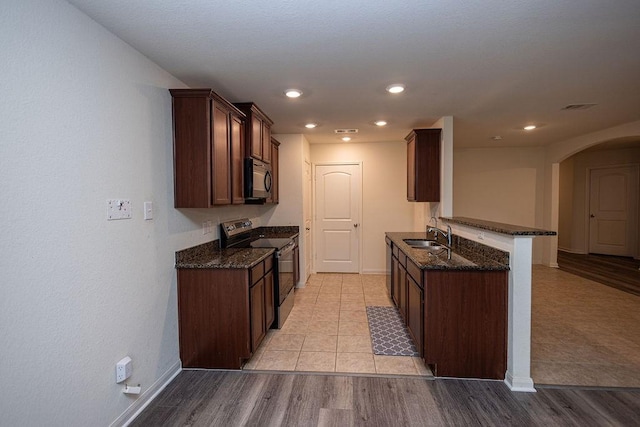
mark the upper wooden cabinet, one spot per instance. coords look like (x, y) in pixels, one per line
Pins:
(208, 148)
(257, 132)
(275, 171)
(423, 165)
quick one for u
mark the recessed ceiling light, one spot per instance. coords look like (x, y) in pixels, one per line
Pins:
(381, 123)
(293, 93)
(310, 125)
(530, 127)
(346, 138)
(395, 88)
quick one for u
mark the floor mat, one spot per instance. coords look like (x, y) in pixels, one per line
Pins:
(389, 336)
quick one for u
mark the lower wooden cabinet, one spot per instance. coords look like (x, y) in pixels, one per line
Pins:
(224, 314)
(456, 318)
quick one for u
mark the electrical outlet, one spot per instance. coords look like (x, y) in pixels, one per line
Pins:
(124, 369)
(118, 209)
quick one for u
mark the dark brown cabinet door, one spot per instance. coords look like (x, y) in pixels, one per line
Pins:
(221, 156)
(411, 169)
(402, 292)
(202, 148)
(423, 165)
(269, 300)
(256, 138)
(266, 142)
(256, 302)
(395, 280)
(257, 131)
(414, 313)
(237, 160)
(275, 171)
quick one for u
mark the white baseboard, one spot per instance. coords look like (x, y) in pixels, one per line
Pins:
(374, 271)
(520, 384)
(147, 397)
(572, 251)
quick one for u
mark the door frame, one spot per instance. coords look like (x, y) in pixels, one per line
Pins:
(314, 228)
(635, 214)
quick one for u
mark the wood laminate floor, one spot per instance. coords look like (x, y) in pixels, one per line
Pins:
(241, 398)
(618, 272)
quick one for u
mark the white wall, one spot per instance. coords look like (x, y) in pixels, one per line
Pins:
(84, 118)
(385, 205)
(573, 235)
(501, 184)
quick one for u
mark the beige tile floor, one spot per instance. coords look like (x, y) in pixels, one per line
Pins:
(327, 331)
(583, 332)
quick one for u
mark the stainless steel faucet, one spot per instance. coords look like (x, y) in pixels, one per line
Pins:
(435, 230)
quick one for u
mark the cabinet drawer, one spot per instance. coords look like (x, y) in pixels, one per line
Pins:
(268, 264)
(414, 272)
(256, 272)
(403, 259)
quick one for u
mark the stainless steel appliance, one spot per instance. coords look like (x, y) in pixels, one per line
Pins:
(240, 234)
(257, 179)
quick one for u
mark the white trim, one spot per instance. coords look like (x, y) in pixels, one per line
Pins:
(147, 397)
(373, 271)
(519, 384)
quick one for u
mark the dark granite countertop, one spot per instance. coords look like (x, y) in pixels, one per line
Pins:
(210, 255)
(465, 254)
(498, 227)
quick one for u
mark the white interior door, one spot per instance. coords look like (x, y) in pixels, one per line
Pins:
(613, 225)
(307, 220)
(338, 200)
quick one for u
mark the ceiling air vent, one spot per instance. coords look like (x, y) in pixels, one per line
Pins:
(578, 106)
(345, 131)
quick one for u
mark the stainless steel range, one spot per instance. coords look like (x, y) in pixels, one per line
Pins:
(240, 234)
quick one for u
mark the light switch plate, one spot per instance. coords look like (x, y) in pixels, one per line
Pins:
(148, 210)
(118, 209)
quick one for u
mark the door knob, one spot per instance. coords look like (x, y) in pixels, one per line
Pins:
(355, 225)
(307, 228)
(592, 216)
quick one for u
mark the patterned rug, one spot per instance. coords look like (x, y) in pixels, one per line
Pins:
(389, 335)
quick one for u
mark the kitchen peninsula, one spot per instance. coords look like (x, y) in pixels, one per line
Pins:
(453, 299)
(517, 241)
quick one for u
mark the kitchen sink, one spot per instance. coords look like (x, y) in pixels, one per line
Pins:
(424, 244)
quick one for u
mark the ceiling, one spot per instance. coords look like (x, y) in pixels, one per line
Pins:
(494, 65)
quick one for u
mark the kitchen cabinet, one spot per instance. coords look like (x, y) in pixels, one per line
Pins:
(465, 323)
(207, 141)
(257, 131)
(456, 318)
(423, 165)
(224, 314)
(275, 172)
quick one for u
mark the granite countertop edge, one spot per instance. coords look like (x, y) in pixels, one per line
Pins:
(211, 255)
(499, 227)
(465, 255)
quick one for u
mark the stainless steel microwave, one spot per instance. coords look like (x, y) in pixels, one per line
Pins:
(257, 179)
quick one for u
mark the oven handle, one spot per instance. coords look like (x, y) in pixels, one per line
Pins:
(286, 250)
